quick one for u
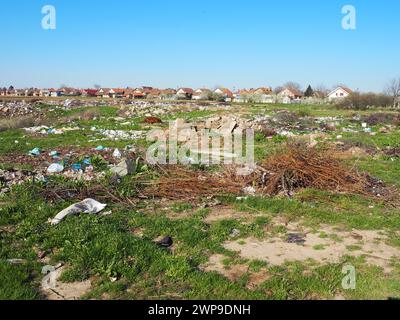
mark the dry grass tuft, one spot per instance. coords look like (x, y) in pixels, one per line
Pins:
(17, 123)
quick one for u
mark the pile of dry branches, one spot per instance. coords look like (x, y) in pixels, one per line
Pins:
(178, 182)
(54, 192)
(296, 167)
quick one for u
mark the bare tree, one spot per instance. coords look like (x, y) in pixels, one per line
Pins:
(293, 86)
(393, 90)
(321, 88)
(278, 89)
(97, 86)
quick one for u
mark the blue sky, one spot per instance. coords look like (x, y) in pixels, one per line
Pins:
(176, 43)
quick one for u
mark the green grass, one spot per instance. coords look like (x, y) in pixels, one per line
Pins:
(100, 248)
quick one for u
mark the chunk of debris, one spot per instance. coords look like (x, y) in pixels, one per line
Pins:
(35, 152)
(124, 168)
(55, 168)
(227, 126)
(117, 154)
(152, 120)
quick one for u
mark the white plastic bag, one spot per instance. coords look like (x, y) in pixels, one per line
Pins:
(55, 168)
(85, 206)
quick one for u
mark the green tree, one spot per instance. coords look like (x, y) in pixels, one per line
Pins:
(309, 92)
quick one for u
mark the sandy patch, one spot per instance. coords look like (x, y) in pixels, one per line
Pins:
(234, 272)
(326, 246)
(226, 213)
(57, 290)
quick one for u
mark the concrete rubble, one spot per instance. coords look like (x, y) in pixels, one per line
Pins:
(18, 109)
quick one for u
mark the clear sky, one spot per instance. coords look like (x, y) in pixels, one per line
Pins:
(171, 43)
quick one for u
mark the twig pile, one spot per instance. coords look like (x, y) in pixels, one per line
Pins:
(297, 166)
(54, 192)
(292, 168)
(179, 182)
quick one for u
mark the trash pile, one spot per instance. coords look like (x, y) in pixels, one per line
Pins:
(73, 164)
(116, 135)
(153, 109)
(44, 130)
(11, 177)
(18, 109)
(286, 123)
(381, 118)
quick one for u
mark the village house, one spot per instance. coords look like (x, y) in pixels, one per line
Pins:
(225, 93)
(139, 94)
(263, 95)
(117, 93)
(201, 94)
(69, 92)
(89, 92)
(153, 93)
(8, 92)
(55, 93)
(184, 93)
(129, 92)
(260, 95)
(103, 93)
(241, 96)
(168, 94)
(290, 95)
(19, 92)
(339, 93)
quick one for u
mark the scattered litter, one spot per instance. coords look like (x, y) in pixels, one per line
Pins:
(35, 152)
(121, 134)
(152, 120)
(76, 166)
(106, 213)
(85, 206)
(124, 168)
(117, 154)
(54, 154)
(296, 238)
(165, 242)
(17, 261)
(234, 233)
(249, 190)
(9, 178)
(55, 168)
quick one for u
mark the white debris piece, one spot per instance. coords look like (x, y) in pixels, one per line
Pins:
(85, 206)
(55, 168)
(124, 168)
(117, 154)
